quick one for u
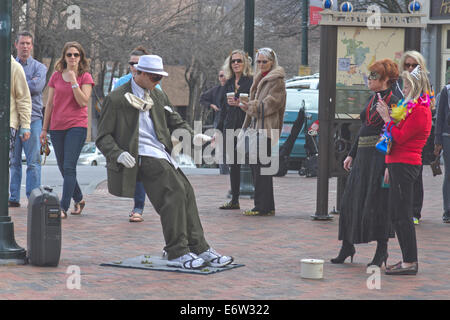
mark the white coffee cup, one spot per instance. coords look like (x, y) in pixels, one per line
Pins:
(243, 97)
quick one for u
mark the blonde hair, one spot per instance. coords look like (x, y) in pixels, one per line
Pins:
(269, 54)
(247, 72)
(425, 84)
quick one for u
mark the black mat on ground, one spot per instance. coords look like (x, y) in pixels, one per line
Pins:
(157, 263)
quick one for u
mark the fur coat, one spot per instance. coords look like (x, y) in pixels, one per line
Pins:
(271, 91)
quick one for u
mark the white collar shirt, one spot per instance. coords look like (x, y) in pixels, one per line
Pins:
(149, 145)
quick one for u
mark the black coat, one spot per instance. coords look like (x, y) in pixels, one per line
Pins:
(213, 96)
(233, 117)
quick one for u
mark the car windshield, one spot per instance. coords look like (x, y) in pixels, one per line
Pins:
(88, 148)
(305, 98)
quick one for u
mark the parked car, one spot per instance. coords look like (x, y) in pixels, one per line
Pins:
(305, 82)
(297, 99)
(91, 156)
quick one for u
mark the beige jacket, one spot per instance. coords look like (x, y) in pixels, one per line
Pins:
(272, 91)
(20, 105)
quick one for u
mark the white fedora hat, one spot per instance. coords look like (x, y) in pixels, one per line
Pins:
(151, 64)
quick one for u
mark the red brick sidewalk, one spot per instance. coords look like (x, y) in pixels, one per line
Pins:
(270, 248)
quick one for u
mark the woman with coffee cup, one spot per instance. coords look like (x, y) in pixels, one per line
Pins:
(238, 72)
(269, 92)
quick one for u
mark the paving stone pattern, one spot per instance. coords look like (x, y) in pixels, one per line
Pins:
(270, 248)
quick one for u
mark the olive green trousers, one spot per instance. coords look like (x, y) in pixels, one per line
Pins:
(173, 198)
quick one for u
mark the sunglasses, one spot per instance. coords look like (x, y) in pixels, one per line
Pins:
(69, 55)
(221, 75)
(409, 65)
(236, 61)
(374, 76)
(155, 77)
(132, 63)
(262, 61)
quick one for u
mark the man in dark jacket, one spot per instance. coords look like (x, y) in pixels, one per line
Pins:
(442, 142)
(212, 99)
(135, 136)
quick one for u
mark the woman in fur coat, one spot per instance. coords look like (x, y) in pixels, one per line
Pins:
(268, 91)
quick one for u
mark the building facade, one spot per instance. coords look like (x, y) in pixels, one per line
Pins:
(436, 41)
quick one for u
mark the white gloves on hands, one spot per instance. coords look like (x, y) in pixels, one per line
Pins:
(200, 139)
(127, 160)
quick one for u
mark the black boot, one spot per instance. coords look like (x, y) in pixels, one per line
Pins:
(381, 254)
(347, 250)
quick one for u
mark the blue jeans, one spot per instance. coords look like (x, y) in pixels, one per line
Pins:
(139, 198)
(446, 186)
(31, 148)
(67, 145)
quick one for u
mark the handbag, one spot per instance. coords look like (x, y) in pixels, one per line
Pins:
(384, 144)
(45, 150)
(248, 142)
(436, 166)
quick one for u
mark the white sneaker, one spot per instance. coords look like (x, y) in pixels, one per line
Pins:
(215, 259)
(188, 261)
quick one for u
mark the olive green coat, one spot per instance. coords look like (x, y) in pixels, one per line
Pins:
(118, 131)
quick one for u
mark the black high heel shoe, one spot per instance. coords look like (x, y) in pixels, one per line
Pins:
(378, 260)
(381, 254)
(346, 251)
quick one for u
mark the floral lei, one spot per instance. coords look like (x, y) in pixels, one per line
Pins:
(404, 108)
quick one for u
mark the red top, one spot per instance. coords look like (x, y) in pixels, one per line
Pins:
(410, 136)
(66, 112)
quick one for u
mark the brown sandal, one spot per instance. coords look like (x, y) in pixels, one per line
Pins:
(79, 206)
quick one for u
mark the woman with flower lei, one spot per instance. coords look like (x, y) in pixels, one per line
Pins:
(409, 125)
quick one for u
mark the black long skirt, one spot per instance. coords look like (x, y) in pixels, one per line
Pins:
(364, 213)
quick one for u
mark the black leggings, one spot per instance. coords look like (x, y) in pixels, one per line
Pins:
(402, 177)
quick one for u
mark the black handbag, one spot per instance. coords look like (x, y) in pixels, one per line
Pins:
(436, 166)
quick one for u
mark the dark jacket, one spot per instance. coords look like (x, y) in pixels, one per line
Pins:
(443, 116)
(233, 117)
(118, 131)
(213, 96)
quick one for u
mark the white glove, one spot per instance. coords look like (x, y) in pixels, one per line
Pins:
(200, 139)
(126, 159)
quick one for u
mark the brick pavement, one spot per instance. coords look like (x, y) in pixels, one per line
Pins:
(270, 247)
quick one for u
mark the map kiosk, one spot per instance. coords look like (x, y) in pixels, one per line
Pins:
(349, 43)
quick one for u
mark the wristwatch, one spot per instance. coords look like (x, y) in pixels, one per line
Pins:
(76, 85)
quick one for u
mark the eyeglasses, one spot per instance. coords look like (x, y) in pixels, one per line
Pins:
(155, 77)
(262, 61)
(374, 76)
(236, 61)
(409, 65)
(69, 55)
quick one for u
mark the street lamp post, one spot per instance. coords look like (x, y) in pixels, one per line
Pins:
(305, 9)
(246, 188)
(10, 252)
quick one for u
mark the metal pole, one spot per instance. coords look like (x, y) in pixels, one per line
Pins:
(10, 252)
(249, 27)
(246, 188)
(305, 9)
(327, 96)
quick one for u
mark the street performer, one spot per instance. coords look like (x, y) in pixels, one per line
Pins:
(134, 134)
